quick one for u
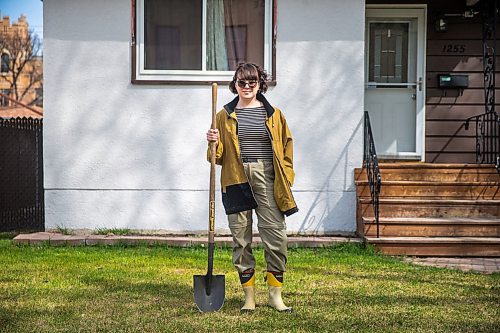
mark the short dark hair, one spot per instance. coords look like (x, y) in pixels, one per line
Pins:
(249, 71)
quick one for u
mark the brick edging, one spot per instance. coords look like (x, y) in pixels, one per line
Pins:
(55, 239)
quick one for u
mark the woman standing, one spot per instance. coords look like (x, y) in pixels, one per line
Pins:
(254, 147)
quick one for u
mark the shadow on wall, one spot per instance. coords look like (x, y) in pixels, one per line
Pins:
(119, 150)
(447, 142)
(140, 149)
(128, 144)
(322, 217)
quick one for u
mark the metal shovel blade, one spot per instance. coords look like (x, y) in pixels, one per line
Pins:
(209, 294)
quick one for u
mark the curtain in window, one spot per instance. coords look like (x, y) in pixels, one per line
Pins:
(216, 36)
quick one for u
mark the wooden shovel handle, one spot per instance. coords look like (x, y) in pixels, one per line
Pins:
(214, 105)
(213, 148)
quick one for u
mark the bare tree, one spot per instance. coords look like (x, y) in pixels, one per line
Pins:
(22, 50)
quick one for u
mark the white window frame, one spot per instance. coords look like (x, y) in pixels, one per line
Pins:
(203, 75)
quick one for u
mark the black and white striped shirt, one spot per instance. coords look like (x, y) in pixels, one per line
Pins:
(252, 133)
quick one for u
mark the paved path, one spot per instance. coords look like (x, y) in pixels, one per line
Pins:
(483, 265)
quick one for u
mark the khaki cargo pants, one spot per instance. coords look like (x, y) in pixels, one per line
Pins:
(270, 222)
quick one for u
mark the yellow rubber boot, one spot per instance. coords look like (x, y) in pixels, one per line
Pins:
(275, 285)
(247, 280)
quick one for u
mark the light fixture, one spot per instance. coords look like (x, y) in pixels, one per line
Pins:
(441, 25)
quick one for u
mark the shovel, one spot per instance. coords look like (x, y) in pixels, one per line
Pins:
(209, 289)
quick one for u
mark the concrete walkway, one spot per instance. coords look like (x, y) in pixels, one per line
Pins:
(482, 265)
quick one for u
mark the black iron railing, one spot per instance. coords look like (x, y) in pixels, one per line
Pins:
(487, 138)
(488, 124)
(489, 22)
(370, 163)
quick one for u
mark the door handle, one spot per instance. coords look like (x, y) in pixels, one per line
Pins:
(420, 83)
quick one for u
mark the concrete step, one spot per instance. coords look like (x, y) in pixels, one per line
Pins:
(432, 227)
(438, 246)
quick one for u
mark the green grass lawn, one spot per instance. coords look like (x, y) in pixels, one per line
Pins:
(149, 289)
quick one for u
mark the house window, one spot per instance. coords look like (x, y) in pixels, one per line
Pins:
(39, 97)
(5, 63)
(4, 101)
(201, 40)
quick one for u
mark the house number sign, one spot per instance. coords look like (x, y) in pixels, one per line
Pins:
(453, 48)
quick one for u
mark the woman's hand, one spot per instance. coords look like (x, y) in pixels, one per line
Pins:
(213, 135)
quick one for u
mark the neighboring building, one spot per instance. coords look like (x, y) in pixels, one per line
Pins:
(127, 100)
(33, 68)
(21, 26)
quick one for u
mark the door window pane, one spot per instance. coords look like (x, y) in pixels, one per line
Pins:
(388, 54)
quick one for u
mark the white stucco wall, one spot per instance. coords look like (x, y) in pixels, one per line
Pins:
(118, 155)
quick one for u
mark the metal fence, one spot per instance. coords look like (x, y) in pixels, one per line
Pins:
(21, 175)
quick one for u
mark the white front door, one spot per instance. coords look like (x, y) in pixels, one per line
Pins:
(394, 74)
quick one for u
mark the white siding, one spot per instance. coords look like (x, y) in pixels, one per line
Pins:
(119, 155)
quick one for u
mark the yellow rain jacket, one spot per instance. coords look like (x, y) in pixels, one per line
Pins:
(237, 194)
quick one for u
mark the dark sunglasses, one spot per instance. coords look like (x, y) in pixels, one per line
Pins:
(243, 83)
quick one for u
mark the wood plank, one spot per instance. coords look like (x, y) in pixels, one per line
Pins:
(455, 63)
(431, 208)
(444, 250)
(439, 175)
(437, 246)
(463, 47)
(450, 157)
(449, 128)
(450, 144)
(359, 219)
(435, 221)
(431, 167)
(453, 112)
(433, 240)
(456, 30)
(407, 230)
(441, 167)
(434, 190)
(433, 227)
(449, 96)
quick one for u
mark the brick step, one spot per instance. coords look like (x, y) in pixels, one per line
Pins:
(438, 246)
(432, 227)
(430, 208)
(429, 189)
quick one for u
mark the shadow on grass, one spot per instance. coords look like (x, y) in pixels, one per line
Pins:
(113, 303)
